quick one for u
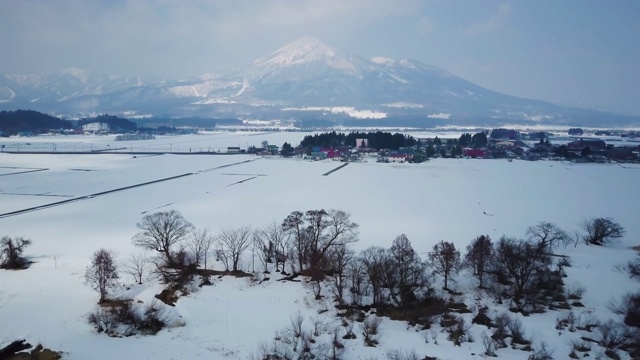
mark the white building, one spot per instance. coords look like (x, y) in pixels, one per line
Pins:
(95, 126)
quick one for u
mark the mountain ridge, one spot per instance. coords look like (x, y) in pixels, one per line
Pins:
(301, 74)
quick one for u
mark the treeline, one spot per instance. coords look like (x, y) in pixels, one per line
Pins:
(203, 123)
(377, 140)
(115, 123)
(15, 122)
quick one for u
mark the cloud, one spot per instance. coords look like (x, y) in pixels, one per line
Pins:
(424, 26)
(494, 23)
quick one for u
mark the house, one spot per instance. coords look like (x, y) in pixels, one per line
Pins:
(518, 151)
(593, 144)
(505, 144)
(597, 158)
(623, 154)
(398, 157)
(474, 153)
(233, 150)
(318, 155)
(273, 149)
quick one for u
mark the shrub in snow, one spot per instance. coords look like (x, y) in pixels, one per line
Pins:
(490, 346)
(542, 353)
(300, 342)
(11, 249)
(567, 321)
(633, 268)
(516, 331)
(296, 325)
(575, 292)
(396, 354)
(482, 318)
(629, 308)
(123, 318)
(459, 333)
(613, 335)
(581, 346)
(370, 328)
(349, 330)
(501, 332)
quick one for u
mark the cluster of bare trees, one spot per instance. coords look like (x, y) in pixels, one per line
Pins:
(318, 243)
(518, 270)
(314, 234)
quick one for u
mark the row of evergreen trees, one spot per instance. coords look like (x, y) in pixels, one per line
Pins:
(376, 140)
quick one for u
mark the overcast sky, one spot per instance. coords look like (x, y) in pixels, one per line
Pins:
(583, 53)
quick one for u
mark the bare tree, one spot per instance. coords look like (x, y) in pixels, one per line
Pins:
(445, 259)
(209, 240)
(357, 272)
(294, 226)
(263, 247)
(136, 265)
(373, 259)
(479, 256)
(102, 274)
(200, 243)
(276, 238)
(601, 230)
(234, 242)
(315, 232)
(548, 235)
(11, 249)
(523, 262)
(405, 271)
(161, 232)
(340, 258)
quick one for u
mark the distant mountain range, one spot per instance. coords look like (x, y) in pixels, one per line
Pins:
(304, 80)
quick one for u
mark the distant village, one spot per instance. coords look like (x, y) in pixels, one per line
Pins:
(577, 147)
(575, 144)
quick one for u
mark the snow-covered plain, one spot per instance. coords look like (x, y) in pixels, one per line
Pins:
(453, 200)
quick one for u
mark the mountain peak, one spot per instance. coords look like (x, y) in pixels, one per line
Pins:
(310, 53)
(302, 50)
(77, 73)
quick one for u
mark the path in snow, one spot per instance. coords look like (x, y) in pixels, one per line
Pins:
(336, 169)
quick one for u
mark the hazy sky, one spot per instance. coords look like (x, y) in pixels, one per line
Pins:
(573, 52)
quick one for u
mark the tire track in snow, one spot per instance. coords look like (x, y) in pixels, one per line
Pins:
(24, 172)
(101, 193)
(90, 196)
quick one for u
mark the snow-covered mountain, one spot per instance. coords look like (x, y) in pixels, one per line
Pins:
(305, 77)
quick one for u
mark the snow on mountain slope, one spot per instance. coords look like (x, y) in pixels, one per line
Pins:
(303, 73)
(310, 52)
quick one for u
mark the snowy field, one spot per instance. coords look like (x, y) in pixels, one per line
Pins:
(444, 199)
